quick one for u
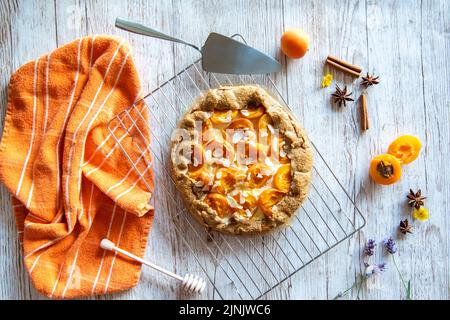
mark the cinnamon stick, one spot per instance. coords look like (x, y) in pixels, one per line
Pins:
(364, 113)
(344, 66)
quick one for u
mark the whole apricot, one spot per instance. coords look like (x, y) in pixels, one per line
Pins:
(295, 43)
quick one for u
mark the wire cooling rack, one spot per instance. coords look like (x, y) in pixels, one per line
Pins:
(237, 267)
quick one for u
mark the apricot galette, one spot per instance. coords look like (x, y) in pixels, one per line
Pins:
(241, 161)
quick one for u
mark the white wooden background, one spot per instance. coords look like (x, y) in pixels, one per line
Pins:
(407, 43)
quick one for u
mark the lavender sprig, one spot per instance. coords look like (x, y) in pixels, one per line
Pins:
(391, 248)
(370, 247)
(371, 269)
(390, 245)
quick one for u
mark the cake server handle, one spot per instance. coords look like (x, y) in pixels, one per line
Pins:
(146, 31)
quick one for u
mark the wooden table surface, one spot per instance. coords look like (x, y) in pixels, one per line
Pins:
(406, 43)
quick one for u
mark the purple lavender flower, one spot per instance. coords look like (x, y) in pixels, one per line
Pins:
(372, 269)
(390, 245)
(370, 247)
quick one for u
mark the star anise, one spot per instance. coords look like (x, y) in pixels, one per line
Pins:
(416, 200)
(405, 227)
(341, 96)
(369, 80)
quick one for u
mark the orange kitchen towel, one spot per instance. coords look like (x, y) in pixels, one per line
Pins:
(71, 183)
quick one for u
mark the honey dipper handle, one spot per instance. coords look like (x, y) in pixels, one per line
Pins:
(109, 245)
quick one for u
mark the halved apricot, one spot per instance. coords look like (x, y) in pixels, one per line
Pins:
(219, 203)
(223, 116)
(405, 148)
(385, 169)
(259, 175)
(241, 123)
(267, 199)
(282, 179)
(253, 111)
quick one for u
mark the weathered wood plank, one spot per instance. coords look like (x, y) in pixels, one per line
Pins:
(334, 28)
(396, 35)
(430, 264)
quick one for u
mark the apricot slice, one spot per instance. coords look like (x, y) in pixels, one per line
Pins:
(247, 201)
(219, 203)
(210, 133)
(241, 123)
(223, 116)
(227, 178)
(385, 169)
(267, 199)
(263, 122)
(259, 175)
(405, 148)
(282, 179)
(294, 43)
(253, 112)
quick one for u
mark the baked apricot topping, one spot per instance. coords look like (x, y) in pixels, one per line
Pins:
(277, 152)
(282, 178)
(248, 203)
(210, 133)
(196, 157)
(202, 177)
(264, 122)
(405, 148)
(220, 150)
(219, 203)
(250, 152)
(253, 112)
(267, 199)
(223, 116)
(385, 169)
(241, 123)
(227, 178)
(259, 174)
(246, 200)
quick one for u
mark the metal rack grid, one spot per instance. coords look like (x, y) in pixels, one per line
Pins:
(254, 265)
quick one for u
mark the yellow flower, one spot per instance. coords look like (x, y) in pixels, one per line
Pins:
(326, 81)
(421, 214)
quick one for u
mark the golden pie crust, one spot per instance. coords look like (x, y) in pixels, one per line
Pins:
(235, 191)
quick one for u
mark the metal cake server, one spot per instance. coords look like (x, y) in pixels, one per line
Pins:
(220, 54)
